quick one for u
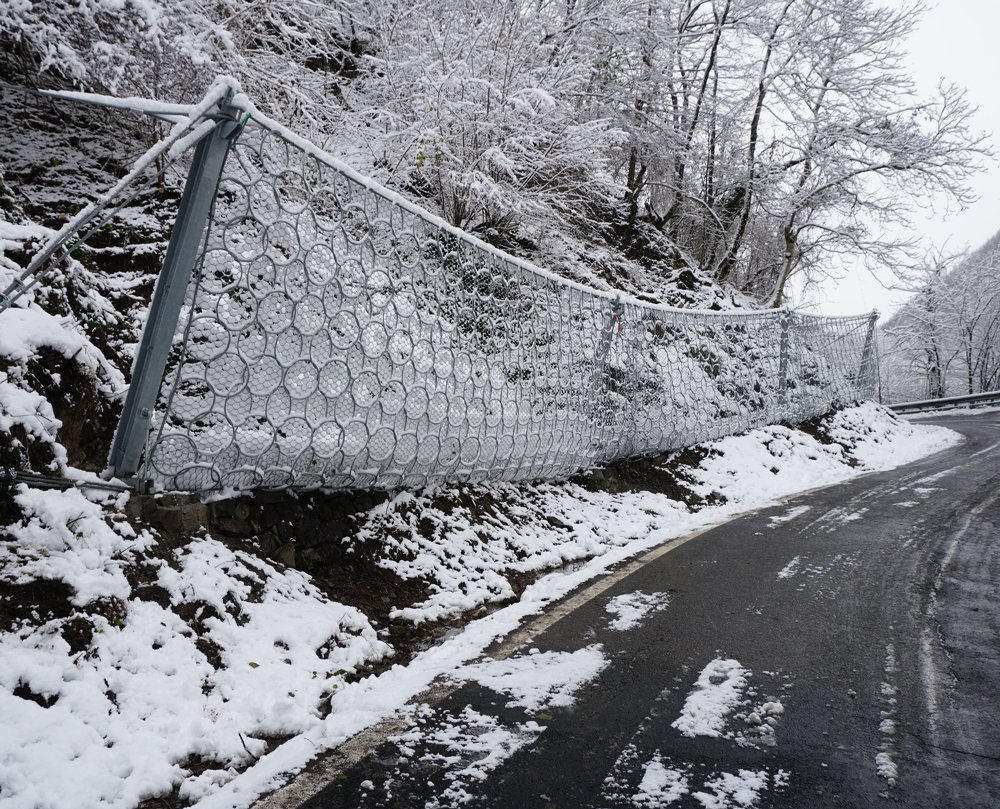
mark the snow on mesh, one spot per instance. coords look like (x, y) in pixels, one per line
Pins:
(337, 336)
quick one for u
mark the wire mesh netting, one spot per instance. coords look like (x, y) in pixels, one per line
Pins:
(335, 336)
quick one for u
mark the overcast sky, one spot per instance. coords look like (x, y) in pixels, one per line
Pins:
(955, 40)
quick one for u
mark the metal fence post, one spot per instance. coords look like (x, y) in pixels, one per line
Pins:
(168, 295)
(868, 370)
(599, 382)
(785, 322)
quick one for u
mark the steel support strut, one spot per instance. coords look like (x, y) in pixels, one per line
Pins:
(868, 372)
(168, 296)
(785, 321)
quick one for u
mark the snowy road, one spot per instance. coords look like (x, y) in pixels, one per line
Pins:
(840, 650)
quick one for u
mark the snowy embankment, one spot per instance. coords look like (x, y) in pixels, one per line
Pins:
(132, 666)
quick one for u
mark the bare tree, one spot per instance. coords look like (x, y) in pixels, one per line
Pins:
(974, 291)
(475, 106)
(919, 340)
(745, 141)
(946, 338)
(768, 138)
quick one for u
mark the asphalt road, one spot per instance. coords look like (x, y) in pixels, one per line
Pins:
(880, 639)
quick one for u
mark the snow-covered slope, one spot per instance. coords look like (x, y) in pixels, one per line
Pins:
(137, 663)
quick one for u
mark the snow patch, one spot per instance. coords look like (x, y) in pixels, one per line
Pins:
(761, 724)
(143, 696)
(935, 477)
(790, 569)
(717, 692)
(884, 762)
(886, 767)
(63, 536)
(812, 572)
(631, 609)
(789, 515)
(742, 789)
(890, 658)
(467, 560)
(161, 715)
(773, 462)
(660, 785)
(467, 748)
(461, 555)
(877, 443)
(24, 331)
(27, 408)
(541, 680)
(285, 642)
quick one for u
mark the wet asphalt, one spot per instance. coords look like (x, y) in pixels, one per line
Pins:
(881, 640)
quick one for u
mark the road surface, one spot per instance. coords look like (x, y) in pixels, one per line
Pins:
(847, 646)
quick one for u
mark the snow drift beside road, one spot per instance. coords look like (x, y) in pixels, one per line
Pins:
(185, 690)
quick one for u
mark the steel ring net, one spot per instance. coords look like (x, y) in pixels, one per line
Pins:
(337, 337)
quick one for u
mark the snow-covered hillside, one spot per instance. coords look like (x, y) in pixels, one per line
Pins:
(140, 661)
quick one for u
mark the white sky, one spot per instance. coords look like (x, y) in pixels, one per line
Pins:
(955, 40)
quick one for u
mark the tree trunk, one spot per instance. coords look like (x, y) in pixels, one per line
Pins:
(778, 295)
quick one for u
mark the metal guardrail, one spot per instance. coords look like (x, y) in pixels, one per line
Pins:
(987, 399)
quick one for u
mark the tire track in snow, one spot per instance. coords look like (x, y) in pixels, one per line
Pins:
(885, 762)
(931, 648)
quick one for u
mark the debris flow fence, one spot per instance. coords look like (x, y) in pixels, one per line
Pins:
(310, 329)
